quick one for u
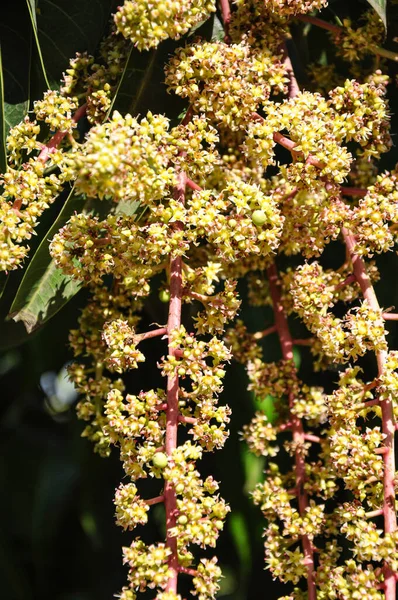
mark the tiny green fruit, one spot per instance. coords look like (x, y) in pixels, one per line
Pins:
(164, 296)
(259, 217)
(183, 520)
(159, 460)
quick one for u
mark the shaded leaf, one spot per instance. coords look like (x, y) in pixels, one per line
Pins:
(3, 282)
(3, 151)
(380, 7)
(15, 41)
(45, 289)
(38, 68)
(142, 88)
(69, 26)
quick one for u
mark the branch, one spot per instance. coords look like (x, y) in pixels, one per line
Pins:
(387, 413)
(174, 322)
(286, 343)
(156, 500)
(59, 136)
(259, 335)
(353, 191)
(226, 18)
(336, 29)
(139, 337)
(390, 316)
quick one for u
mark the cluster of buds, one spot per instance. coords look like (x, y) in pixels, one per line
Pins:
(213, 215)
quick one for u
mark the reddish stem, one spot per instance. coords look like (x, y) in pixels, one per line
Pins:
(390, 316)
(286, 343)
(303, 342)
(320, 23)
(190, 420)
(309, 437)
(353, 191)
(200, 297)
(187, 571)
(387, 413)
(226, 17)
(156, 500)
(350, 279)
(293, 87)
(194, 186)
(173, 323)
(381, 450)
(259, 335)
(59, 136)
(369, 404)
(150, 334)
(290, 145)
(374, 513)
(337, 29)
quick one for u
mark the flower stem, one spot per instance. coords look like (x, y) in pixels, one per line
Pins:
(387, 414)
(174, 322)
(337, 29)
(139, 337)
(286, 343)
(226, 18)
(59, 136)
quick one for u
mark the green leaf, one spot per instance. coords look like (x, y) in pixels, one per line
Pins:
(15, 41)
(45, 289)
(380, 7)
(39, 71)
(3, 151)
(68, 26)
(142, 86)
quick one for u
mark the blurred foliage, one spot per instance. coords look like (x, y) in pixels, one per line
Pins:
(58, 540)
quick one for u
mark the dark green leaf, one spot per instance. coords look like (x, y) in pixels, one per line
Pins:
(69, 26)
(142, 88)
(15, 41)
(45, 289)
(39, 71)
(380, 7)
(3, 282)
(3, 151)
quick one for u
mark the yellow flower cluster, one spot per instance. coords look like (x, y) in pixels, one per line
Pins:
(146, 24)
(226, 82)
(354, 44)
(56, 110)
(362, 329)
(294, 7)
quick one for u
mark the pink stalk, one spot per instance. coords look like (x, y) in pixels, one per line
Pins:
(390, 316)
(293, 86)
(59, 136)
(156, 500)
(139, 337)
(353, 191)
(374, 513)
(194, 186)
(259, 335)
(387, 414)
(286, 343)
(174, 322)
(337, 29)
(226, 17)
(320, 23)
(303, 342)
(190, 420)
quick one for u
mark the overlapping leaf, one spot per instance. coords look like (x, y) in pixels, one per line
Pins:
(380, 7)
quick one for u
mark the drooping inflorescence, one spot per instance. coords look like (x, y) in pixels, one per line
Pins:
(259, 173)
